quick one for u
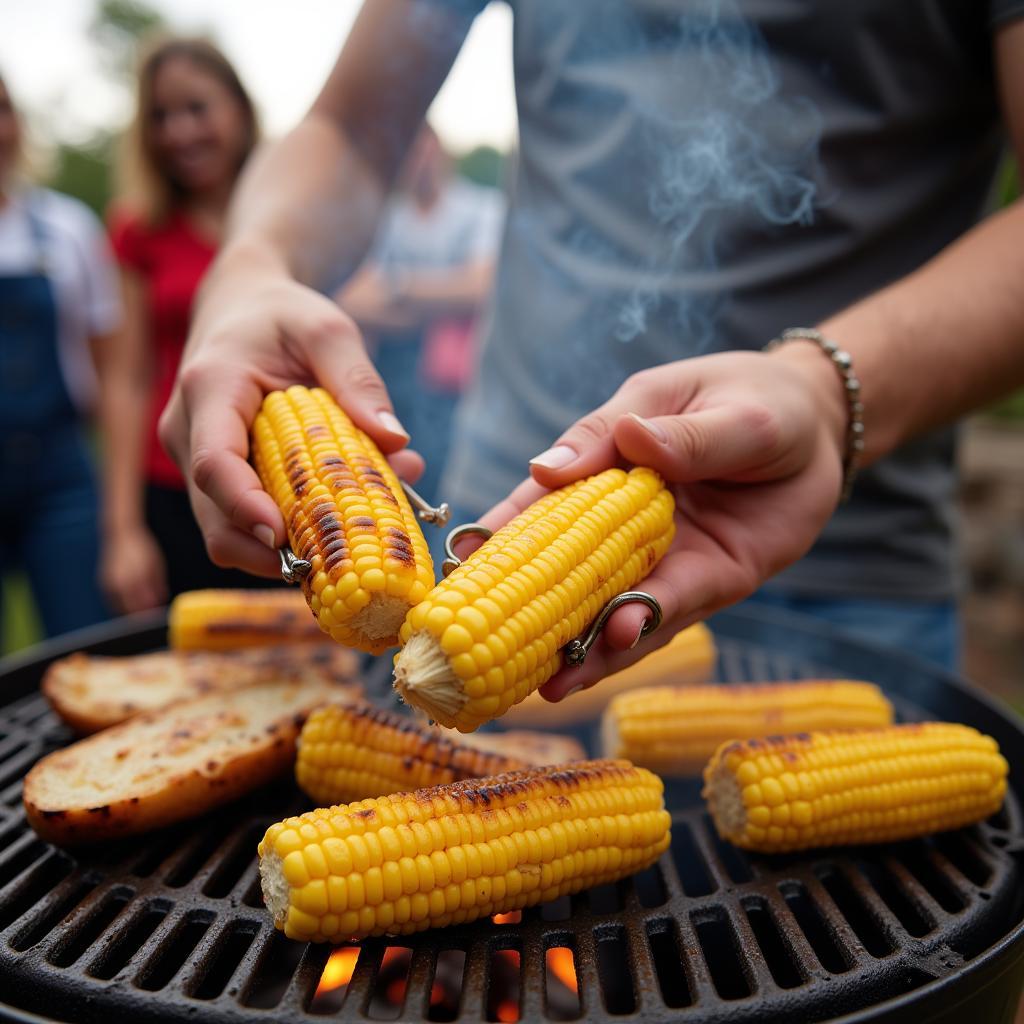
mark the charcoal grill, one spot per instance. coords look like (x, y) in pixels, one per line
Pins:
(171, 928)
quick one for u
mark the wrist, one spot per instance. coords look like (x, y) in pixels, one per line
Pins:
(828, 375)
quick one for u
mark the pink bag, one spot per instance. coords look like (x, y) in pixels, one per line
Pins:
(449, 354)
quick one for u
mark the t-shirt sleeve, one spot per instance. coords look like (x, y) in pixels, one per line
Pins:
(1003, 11)
(128, 240)
(102, 293)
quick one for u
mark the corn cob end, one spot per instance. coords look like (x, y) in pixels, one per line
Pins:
(424, 679)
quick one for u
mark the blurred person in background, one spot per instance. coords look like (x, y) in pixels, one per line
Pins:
(194, 127)
(419, 292)
(59, 308)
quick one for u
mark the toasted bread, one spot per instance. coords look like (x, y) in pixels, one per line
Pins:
(167, 765)
(535, 748)
(92, 693)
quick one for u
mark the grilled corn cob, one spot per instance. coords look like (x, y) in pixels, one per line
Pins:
(688, 657)
(441, 856)
(492, 632)
(674, 730)
(869, 786)
(349, 752)
(214, 620)
(346, 514)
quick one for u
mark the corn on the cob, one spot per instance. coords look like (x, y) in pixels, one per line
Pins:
(689, 657)
(441, 856)
(215, 620)
(350, 752)
(869, 786)
(492, 632)
(674, 730)
(346, 514)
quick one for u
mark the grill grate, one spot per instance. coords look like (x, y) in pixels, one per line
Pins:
(171, 928)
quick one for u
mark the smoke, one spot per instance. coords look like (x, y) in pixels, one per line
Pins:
(737, 152)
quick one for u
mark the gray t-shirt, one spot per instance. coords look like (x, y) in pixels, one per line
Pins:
(696, 175)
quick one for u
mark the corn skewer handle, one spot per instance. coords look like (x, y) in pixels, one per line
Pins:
(439, 516)
(576, 651)
(293, 569)
(452, 562)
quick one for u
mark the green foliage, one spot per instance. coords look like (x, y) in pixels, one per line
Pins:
(483, 164)
(1008, 182)
(116, 28)
(84, 172)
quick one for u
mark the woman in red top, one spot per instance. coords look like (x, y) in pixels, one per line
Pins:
(194, 127)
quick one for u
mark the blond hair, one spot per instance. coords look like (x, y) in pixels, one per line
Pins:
(142, 184)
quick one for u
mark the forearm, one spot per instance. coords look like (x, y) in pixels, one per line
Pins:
(308, 204)
(460, 291)
(122, 411)
(947, 339)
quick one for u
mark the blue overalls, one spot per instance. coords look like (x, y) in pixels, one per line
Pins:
(48, 501)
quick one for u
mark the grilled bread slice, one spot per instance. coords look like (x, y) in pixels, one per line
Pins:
(167, 765)
(535, 748)
(92, 693)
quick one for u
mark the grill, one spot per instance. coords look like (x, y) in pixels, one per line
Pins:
(171, 927)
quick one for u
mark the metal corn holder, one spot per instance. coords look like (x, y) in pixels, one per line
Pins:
(295, 569)
(575, 650)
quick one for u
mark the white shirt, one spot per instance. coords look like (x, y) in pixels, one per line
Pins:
(462, 226)
(81, 267)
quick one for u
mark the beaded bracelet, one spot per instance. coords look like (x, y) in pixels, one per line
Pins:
(843, 363)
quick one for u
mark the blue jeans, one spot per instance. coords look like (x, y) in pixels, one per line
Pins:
(49, 525)
(927, 629)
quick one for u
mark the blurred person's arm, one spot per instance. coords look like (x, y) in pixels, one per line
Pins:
(306, 209)
(454, 291)
(383, 302)
(132, 571)
(752, 443)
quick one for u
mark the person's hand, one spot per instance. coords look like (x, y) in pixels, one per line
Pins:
(370, 299)
(257, 330)
(751, 445)
(132, 572)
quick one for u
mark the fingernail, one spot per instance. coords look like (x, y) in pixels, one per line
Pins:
(643, 626)
(652, 428)
(575, 689)
(265, 535)
(390, 423)
(554, 458)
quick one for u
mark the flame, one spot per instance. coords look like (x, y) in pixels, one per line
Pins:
(398, 957)
(508, 1011)
(338, 969)
(512, 917)
(559, 961)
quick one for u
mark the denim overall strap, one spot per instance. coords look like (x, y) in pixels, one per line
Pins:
(48, 500)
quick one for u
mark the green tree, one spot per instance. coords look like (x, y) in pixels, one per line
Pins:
(482, 164)
(116, 28)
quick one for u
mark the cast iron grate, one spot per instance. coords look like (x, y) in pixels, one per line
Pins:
(172, 928)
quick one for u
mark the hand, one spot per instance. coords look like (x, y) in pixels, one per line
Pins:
(370, 299)
(257, 330)
(751, 445)
(132, 572)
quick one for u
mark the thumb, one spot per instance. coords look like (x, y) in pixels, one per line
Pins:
(731, 442)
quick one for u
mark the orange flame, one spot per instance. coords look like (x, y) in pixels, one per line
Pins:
(512, 917)
(508, 1012)
(559, 961)
(338, 969)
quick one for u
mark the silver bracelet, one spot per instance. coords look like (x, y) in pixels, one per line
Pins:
(843, 363)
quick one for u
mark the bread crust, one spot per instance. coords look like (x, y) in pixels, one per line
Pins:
(168, 765)
(91, 693)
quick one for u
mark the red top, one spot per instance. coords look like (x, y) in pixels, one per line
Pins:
(171, 259)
